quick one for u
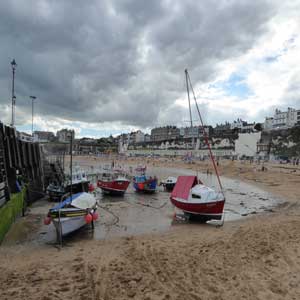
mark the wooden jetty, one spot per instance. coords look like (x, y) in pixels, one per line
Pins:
(21, 160)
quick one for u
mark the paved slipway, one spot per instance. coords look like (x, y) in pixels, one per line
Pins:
(253, 258)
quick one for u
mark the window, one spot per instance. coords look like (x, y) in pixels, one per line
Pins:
(196, 196)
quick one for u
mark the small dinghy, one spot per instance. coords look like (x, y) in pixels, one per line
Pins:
(73, 213)
(169, 183)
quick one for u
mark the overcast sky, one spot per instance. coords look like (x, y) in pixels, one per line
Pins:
(113, 66)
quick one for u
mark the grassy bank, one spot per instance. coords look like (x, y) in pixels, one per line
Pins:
(10, 211)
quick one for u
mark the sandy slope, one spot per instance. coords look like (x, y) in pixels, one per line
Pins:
(258, 258)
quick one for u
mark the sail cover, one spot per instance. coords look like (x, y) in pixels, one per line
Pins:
(84, 201)
(183, 186)
(65, 202)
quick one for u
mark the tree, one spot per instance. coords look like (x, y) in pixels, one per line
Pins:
(258, 127)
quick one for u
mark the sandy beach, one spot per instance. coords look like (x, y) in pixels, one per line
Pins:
(253, 258)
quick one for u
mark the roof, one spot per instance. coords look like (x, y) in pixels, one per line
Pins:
(183, 186)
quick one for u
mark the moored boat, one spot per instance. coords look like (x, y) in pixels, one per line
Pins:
(169, 183)
(145, 183)
(194, 198)
(78, 183)
(190, 194)
(73, 213)
(114, 183)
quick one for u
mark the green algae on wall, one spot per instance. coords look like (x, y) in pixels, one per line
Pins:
(10, 211)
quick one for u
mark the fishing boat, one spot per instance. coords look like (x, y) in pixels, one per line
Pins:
(145, 183)
(113, 183)
(73, 213)
(78, 183)
(194, 198)
(169, 183)
(55, 191)
(189, 194)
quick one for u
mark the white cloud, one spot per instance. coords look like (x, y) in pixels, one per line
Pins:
(116, 67)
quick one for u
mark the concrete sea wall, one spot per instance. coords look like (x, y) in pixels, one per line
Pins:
(194, 153)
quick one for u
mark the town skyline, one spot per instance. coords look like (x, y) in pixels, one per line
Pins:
(277, 114)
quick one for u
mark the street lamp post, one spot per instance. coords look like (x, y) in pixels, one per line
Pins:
(32, 98)
(13, 97)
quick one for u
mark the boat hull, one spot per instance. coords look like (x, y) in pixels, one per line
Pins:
(115, 187)
(70, 215)
(207, 210)
(69, 224)
(78, 187)
(145, 187)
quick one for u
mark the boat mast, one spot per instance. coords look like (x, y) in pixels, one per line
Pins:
(204, 132)
(71, 163)
(188, 93)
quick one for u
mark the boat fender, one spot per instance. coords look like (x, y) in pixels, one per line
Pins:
(95, 216)
(47, 220)
(88, 218)
(91, 187)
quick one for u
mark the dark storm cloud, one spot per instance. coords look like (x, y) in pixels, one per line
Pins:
(97, 61)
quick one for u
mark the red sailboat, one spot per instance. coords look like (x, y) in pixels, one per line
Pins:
(190, 194)
(113, 183)
(193, 197)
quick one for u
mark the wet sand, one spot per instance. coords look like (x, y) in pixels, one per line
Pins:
(257, 257)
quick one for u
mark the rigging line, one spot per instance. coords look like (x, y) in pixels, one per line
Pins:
(188, 93)
(205, 135)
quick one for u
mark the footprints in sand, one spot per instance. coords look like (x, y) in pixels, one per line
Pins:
(260, 261)
(82, 278)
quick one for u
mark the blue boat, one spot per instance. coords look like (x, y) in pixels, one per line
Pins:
(144, 183)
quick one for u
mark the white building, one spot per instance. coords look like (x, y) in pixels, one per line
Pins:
(136, 137)
(43, 136)
(242, 126)
(64, 135)
(122, 146)
(139, 137)
(246, 144)
(283, 119)
(25, 137)
(124, 137)
(193, 132)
